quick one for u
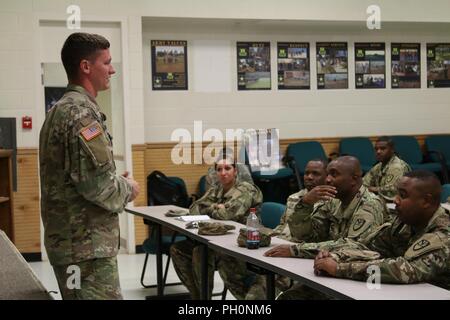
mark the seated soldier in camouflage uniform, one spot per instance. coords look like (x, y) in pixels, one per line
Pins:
(354, 213)
(230, 200)
(314, 180)
(383, 177)
(414, 247)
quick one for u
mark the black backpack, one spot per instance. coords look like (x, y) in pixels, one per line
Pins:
(163, 190)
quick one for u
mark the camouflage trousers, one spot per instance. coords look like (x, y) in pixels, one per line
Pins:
(186, 257)
(98, 280)
(282, 284)
(302, 292)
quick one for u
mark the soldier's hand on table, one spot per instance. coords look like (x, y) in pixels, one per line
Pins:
(322, 255)
(319, 193)
(324, 264)
(283, 250)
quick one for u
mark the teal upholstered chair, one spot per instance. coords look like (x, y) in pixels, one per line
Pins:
(271, 213)
(361, 148)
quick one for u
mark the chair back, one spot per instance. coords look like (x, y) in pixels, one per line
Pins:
(445, 193)
(303, 152)
(271, 213)
(408, 149)
(439, 143)
(361, 148)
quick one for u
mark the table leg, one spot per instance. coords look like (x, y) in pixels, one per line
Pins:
(270, 281)
(204, 285)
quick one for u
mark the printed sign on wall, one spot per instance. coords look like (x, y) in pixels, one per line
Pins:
(293, 65)
(438, 65)
(169, 65)
(332, 65)
(253, 60)
(370, 65)
(405, 67)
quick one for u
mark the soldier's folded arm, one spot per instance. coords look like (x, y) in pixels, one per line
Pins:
(235, 209)
(309, 250)
(204, 205)
(423, 261)
(92, 170)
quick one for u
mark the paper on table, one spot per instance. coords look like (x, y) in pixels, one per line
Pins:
(193, 218)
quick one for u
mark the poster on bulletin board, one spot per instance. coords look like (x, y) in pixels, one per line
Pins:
(293, 65)
(169, 65)
(438, 65)
(370, 65)
(253, 61)
(332, 65)
(405, 59)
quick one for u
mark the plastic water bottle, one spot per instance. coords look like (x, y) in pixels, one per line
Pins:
(253, 235)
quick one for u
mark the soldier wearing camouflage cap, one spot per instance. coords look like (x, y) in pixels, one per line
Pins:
(81, 194)
(230, 200)
(351, 212)
(414, 247)
(383, 177)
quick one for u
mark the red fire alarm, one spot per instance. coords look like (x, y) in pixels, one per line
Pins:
(27, 122)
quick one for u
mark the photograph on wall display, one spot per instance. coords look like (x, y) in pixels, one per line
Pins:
(370, 65)
(405, 66)
(332, 65)
(169, 65)
(438, 65)
(253, 60)
(293, 65)
(52, 95)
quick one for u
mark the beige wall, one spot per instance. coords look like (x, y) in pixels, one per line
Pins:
(19, 93)
(297, 113)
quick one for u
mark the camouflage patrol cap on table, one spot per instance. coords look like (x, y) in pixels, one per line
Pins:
(265, 233)
(213, 228)
(177, 213)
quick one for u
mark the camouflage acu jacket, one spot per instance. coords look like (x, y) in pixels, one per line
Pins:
(293, 203)
(238, 201)
(386, 177)
(80, 191)
(409, 256)
(331, 221)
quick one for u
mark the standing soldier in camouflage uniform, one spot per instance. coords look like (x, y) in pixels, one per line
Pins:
(81, 195)
(354, 214)
(383, 177)
(230, 200)
(414, 247)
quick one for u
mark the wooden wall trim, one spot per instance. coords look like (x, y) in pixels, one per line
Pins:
(27, 151)
(27, 202)
(138, 147)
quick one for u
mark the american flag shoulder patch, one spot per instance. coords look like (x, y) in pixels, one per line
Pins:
(91, 132)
